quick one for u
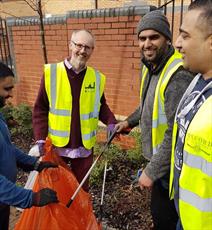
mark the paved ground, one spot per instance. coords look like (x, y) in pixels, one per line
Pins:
(14, 216)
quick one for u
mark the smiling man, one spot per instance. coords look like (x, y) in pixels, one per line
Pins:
(69, 105)
(191, 168)
(10, 158)
(163, 83)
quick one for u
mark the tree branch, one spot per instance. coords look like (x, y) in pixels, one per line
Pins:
(31, 4)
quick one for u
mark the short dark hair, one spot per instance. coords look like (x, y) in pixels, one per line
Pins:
(5, 71)
(205, 18)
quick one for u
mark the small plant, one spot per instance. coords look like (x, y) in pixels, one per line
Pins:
(19, 119)
(7, 112)
(111, 154)
(135, 154)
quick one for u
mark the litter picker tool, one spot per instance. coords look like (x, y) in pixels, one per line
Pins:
(92, 166)
(103, 191)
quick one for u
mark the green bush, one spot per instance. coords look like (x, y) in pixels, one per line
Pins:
(135, 153)
(110, 154)
(19, 119)
(115, 153)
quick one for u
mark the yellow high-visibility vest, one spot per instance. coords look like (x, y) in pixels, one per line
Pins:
(58, 90)
(195, 181)
(159, 120)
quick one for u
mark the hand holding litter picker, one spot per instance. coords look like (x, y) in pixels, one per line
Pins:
(92, 166)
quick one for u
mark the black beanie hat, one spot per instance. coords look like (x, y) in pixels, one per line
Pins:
(5, 71)
(155, 20)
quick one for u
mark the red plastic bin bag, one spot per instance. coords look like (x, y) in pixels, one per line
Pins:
(79, 216)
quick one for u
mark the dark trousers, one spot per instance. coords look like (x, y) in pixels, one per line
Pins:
(162, 208)
(4, 217)
(179, 225)
(80, 167)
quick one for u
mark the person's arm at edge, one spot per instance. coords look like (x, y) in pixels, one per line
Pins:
(11, 194)
(24, 161)
(134, 118)
(105, 114)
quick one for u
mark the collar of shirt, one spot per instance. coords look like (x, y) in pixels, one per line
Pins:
(69, 66)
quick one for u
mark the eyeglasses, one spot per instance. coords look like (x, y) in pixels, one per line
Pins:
(81, 46)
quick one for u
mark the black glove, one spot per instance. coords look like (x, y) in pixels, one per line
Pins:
(40, 165)
(43, 197)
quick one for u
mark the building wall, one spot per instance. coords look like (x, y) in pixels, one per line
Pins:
(20, 8)
(116, 53)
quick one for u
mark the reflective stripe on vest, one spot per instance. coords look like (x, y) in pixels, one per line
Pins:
(60, 100)
(89, 135)
(159, 120)
(56, 111)
(204, 205)
(198, 162)
(195, 182)
(53, 83)
(59, 133)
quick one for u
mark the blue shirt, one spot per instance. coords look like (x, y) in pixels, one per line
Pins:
(10, 155)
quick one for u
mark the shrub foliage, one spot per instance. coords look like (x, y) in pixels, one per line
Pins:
(19, 119)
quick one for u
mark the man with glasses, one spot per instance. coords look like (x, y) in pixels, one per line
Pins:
(69, 105)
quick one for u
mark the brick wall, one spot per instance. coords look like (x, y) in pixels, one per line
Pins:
(28, 56)
(117, 56)
(116, 53)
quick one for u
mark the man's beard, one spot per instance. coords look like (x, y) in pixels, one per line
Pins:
(158, 57)
(78, 64)
(2, 102)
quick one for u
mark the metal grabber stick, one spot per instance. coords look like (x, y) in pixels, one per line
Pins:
(92, 166)
(103, 191)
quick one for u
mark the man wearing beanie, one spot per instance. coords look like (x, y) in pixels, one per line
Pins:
(163, 83)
